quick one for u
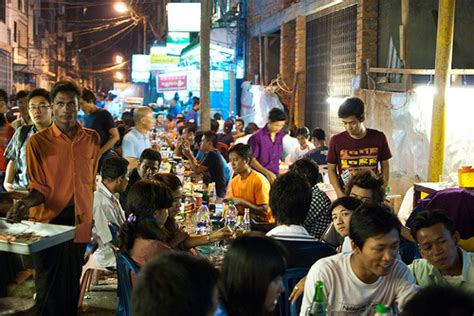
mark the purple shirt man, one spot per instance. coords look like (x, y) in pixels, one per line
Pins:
(265, 151)
(267, 145)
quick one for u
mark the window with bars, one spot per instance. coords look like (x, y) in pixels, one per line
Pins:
(330, 65)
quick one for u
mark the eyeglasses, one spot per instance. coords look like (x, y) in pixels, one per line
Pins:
(41, 108)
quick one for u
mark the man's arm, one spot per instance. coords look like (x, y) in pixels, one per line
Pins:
(258, 210)
(267, 173)
(385, 171)
(9, 176)
(334, 179)
(16, 212)
(113, 139)
(195, 165)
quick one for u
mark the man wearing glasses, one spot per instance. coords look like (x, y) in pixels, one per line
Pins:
(39, 108)
(61, 163)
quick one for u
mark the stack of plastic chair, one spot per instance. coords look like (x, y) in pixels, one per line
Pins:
(91, 269)
(291, 277)
(125, 267)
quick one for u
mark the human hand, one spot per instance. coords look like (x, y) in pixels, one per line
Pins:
(186, 149)
(271, 177)
(224, 233)
(8, 187)
(237, 201)
(179, 236)
(298, 290)
(15, 214)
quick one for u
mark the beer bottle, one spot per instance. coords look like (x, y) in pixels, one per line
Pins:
(318, 307)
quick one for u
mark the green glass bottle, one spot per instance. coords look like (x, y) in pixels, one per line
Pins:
(382, 310)
(318, 307)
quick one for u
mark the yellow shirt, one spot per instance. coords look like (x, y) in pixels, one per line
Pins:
(254, 189)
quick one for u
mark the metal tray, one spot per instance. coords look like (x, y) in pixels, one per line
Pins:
(52, 235)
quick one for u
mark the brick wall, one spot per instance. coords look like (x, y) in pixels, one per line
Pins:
(367, 27)
(287, 52)
(252, 59)
(261, 9)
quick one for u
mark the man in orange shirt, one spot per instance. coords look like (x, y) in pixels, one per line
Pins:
(248, 189)
(62, 162)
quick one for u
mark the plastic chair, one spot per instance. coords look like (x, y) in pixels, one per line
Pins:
(291, 277)
(91, 270)
(125, 267)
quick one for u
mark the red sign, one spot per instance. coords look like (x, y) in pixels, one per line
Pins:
(171, 83)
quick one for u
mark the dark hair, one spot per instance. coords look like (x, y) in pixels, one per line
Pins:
(308, 168)
(65, 86)
(171, 180)
(302, 131)
(348, 202)
(276, 115)
(190, 127)
(228, 125)
(244, 151)
(425, 219)
(440, 300)
(147, 196)
(169, 117)
(214, 125)
(180, 120)
(252, 262)
(175, 283)
(88, 96)
(290, 198)
(174, 184)
(212, 137)
(352, 106)
(217, 116)
(196, 100)
(372, 220)
(39, 92)
(114, 167)
(241, 121)
(368, 180)
(319, 133)
(4, 95)
(251, 128)
(144, 198)
(198, 137)
(150, 154)
(21, 94)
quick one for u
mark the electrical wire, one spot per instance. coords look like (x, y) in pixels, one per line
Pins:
(110, 37)
(99, 28)
(108, 69)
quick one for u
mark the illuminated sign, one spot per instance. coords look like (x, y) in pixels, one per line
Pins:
(171, 82)
(184, 17)
(175, 42)
(217, 80)
(140, 68)
(160, 61)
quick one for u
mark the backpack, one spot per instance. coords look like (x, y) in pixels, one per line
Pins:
(24, 130)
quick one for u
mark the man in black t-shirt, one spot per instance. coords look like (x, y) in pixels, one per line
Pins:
(101, 121)
(210, 166)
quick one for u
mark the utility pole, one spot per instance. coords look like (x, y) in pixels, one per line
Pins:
(144, 34)
(444, 53)
(205, 93)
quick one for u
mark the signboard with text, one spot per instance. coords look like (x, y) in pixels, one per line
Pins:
(171, 82)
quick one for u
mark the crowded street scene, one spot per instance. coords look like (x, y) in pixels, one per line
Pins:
(236, 157)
